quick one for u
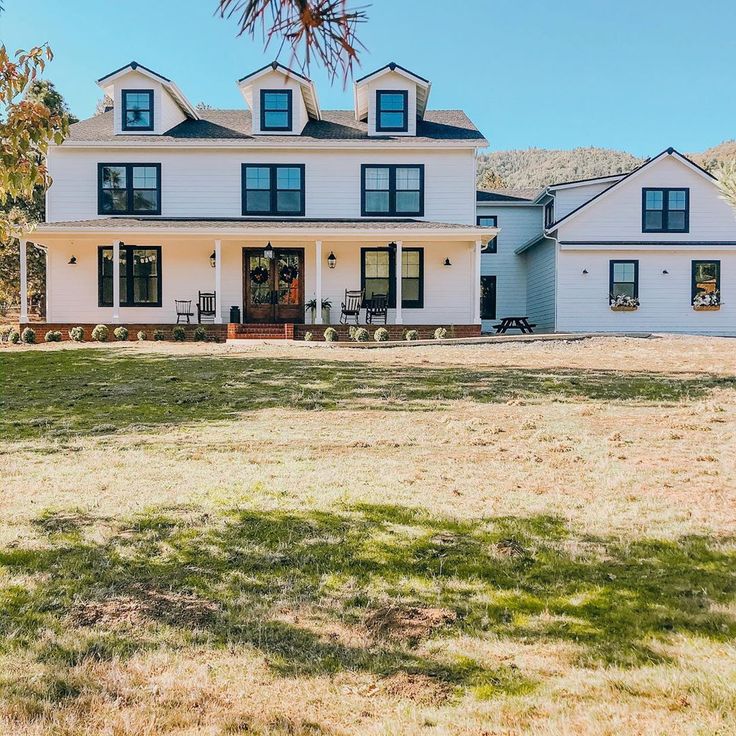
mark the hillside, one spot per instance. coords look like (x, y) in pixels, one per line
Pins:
(537, 167)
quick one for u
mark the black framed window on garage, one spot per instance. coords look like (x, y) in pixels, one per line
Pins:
(392, 190)
(488, 297)
(706, 279)
(140, 275)
(378, 275)
(129, 189)
(392, 111)
(273, 189)
(623, 279)
(137, 111)
(276, 110)
(665, 210)
(489, 221)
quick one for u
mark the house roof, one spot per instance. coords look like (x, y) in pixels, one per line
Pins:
(309, 91)
(667, 152)
(423, 87)
(506, 195)
(234, 127)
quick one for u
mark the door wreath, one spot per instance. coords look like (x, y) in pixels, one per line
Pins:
(259, 275)
(287, 274)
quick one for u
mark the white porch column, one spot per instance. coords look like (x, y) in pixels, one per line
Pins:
(476, 277)
(23, 281)
(399, 318)
(218, 282)
(318, 277)
(116, 281)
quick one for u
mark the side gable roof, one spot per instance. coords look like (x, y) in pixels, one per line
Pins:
(519, 196)
(632, 174)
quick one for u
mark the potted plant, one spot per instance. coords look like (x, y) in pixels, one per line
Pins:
(311, 307)
(705, 301)
(623, 303)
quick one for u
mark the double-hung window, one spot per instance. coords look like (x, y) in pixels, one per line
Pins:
(137, 111)
(140, 276)
(392, 111)
(392, 190)
(378, 275)
(129, 189)
(273, 189)
(623, 279)
(706, 283)
(276, 110)
(489, 221)
(665, 210)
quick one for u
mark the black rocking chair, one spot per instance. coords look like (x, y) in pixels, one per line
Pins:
(183, 310)
(206, 306)
(376, 309)
(350, 308)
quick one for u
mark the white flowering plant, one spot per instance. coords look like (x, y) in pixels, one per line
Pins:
(622, 300)
(707, 299)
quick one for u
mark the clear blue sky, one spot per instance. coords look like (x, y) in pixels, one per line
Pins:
(634, 74)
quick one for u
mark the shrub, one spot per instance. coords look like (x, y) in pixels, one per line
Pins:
(14, 337)
(159, 335)
(52, 336)
(142, 335)
(5, 331)
(121, 333)
(77, 334)
(331, 334)
(440, 333)
(179, 333)
(381, 335)
(100, 333)
(361, 335)
(308, 337)
(411, 335)
(28, 336)
(200, 333)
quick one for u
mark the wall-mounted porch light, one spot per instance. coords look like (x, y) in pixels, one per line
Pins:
(665, 271)
(585, 272)
(268, 250)
(213, 259)
(447, 262)
(331, 260)
(73, 261)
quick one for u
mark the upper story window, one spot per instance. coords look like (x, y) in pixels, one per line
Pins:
(392, 190)
(137, 109)
(549, 213)
(129, 189)
(273, 189)
(276, 110)
(392, 111)
(489, 221)
(665, 210)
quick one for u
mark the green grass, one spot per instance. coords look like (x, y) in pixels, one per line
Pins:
(63, 393)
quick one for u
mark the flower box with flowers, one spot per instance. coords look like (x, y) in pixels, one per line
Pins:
(623, 303)
(707, 301)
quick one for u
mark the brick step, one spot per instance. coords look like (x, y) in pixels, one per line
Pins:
(261, 331)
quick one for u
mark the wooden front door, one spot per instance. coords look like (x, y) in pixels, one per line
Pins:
(273, 287)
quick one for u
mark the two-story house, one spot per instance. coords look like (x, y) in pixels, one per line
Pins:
(651, 250)
(154, 201)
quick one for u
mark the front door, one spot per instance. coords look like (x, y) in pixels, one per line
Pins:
(273, 287)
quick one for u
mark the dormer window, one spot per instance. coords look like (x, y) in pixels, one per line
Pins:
(137, 109)
(276, 110)
(392, 114)
(665, 210)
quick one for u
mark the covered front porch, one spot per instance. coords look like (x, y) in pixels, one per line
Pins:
(261, 272)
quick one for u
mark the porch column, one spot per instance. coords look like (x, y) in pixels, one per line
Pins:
(318, 276)
(116, 281)
(218, 282)
(476, 277)
(399, 319)
(23, 281)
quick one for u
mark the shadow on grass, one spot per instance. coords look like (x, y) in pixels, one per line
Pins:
(304, 590)
(62, 393)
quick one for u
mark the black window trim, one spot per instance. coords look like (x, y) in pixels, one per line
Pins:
(492, 245)
(273, 210)
(391, 190)
(124, 107)
(611, 265)
(128, 300)
(494, 278)
(290, 111)
(693, 266)
(129, 188)
(404, 128)
(665, 209)
(405, 303)
(549, 213)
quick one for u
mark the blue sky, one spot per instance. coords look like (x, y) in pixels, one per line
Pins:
(634, 75)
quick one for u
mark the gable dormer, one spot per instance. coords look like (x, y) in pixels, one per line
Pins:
(391, 100)
(144, 102)
(281, 100)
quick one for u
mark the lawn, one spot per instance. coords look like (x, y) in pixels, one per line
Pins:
(501, 539)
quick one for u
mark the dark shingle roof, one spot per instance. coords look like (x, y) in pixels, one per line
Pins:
(235, 126)
(506, 195)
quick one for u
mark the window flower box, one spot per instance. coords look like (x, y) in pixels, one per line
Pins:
(621, 308)
(622, 303)
(706, 307)
(705, 301)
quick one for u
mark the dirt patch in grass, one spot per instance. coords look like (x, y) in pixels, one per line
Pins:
(409, 624)
(417, 688)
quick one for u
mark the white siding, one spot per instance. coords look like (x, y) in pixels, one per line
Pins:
(198, 183)
(569, 199)
(540, 285)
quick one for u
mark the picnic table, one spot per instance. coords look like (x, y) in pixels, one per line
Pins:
(514, 323)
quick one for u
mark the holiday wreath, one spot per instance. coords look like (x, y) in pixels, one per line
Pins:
(259, 275)
(288, 273)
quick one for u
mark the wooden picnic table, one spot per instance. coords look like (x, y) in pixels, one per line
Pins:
(514, 323)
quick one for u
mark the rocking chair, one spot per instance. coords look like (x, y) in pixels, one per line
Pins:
(206, 306)
(376, 309)
(351, 306)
